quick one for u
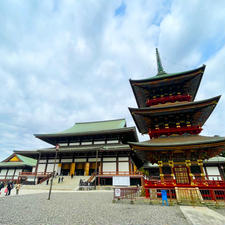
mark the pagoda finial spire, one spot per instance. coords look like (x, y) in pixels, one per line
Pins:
(159, 64)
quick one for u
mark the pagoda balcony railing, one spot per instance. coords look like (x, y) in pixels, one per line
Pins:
(155, 133)
(165, 99)
(198, 180)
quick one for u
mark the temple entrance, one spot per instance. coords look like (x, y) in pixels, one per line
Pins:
(65, 171)
(93, 167)
(79, 169)
(181, 174)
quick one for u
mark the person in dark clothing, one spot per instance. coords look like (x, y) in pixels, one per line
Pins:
(59, 180)
(9, 187)
(72, 176)
(1, 186)
(62, 179)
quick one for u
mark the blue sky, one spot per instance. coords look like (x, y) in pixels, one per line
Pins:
(69, 61)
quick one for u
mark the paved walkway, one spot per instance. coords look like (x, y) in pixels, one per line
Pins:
(202, 216)
(24, 191)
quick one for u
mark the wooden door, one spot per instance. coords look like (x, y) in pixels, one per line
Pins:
(181, 174)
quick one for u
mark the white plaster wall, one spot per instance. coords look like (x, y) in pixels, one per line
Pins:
(66, 160)
(3, 171)
(94, 160)
(213, 171)
(41, 168)
(53, 161)
(18, 171)
(11, 172)
(109, 159)
(50, 168)
(124, 166)
(123, 158)
(107, 167)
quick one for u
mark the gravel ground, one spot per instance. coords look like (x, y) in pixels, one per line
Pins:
(83, 209)
(221, 211)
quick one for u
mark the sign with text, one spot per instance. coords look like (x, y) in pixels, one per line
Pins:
(121, 181)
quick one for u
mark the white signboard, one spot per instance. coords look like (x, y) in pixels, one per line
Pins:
(117, 192)
(121, 181)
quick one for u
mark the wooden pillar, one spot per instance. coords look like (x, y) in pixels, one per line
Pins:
(200, 163)
(171, 164)
(188, 165)
(160, 163)
(135, 168)
(117, 165)
(130, 167)
(72, 168)
(46, 165)
(101, 166)
(86, 170)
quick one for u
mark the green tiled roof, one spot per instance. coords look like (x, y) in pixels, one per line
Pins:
(95, 126)
(167, 75)
(28, 161)
(25, 161)
(12, 164)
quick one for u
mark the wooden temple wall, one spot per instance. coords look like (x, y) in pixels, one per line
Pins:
(112, 165)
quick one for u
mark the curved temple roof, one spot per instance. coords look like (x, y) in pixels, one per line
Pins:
(89, 130)
(143, 116)
(190, 81)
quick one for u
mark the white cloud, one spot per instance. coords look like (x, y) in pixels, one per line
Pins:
(63, 62)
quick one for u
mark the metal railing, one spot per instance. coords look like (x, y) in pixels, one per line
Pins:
(179, 195)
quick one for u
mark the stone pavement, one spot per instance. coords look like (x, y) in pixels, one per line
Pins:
(202, 216)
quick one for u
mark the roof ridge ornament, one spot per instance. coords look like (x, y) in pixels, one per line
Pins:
(159, 64)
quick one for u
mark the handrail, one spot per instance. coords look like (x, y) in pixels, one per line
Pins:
(155, 133)
(165, 99)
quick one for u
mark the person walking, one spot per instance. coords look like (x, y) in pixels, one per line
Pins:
(1, 186)
(9, 187)
(17, 188)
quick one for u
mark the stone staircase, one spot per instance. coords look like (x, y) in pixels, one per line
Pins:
(68, 183)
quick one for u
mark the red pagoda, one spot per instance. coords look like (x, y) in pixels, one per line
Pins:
(168, 113)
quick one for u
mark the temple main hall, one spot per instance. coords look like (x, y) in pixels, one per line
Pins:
(175, 154)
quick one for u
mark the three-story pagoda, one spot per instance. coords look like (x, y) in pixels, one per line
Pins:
(168, 113)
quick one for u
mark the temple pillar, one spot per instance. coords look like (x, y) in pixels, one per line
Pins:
(171, 164)
(200, 164)
(59, 168)
(160, 163)
(86, 170)
(135, 168)
(188, 164)
(72, 168)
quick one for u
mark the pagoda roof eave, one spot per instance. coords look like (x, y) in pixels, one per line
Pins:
(139, 113)
(185, 140)
(168, 75)
(192, 79)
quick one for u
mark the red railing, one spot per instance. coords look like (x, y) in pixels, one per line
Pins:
(172, 99)
(41, 174)
(197, 181)
(155, 133)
